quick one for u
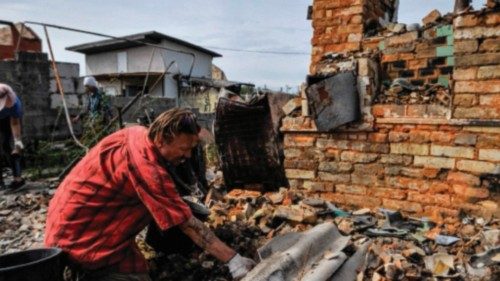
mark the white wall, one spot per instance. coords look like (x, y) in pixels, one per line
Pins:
(138, 59)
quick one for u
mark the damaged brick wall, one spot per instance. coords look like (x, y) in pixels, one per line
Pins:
(425, 154)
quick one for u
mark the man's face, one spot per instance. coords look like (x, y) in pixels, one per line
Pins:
(178, 149)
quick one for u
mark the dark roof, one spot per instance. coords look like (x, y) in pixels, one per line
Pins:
(151, 37)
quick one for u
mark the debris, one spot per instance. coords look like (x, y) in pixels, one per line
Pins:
(439, 264)
(292, 105)
(487, 258)
(446, 240)
(432, 17)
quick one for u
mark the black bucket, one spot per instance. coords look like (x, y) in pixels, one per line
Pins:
(32, 265)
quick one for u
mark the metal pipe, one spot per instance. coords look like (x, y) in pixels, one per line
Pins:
(118, 38)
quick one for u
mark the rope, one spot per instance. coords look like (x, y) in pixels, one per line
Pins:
(61, 91)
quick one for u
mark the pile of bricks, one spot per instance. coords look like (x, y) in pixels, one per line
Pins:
(419, 158)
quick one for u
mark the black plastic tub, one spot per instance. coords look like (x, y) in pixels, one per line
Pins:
(32, 265)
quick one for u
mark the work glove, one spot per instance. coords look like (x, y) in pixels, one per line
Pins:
(18, 146)
(239, 266)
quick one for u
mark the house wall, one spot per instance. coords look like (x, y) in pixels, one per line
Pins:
(138, 59)
(424, 159)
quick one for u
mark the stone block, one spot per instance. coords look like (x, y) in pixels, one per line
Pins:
(468, 73)
(434, 162)
(439, 187)
(314, 186)
(489, 154)
(492, 86)
(407, 206)
(332, 143)
(409, 148)
(299, 174)
(477, 32)
(466, 46)
(489, 72)
(452, 151)
(465, 139)
(358, 157)
(478, 59)
(480, 167)
(72, 101)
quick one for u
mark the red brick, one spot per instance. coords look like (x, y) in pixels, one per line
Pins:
(493, 19)
(432, 17)
(490, 45)
(465, 73)
(488, 141)
(489, 72)
(411, 207)
(417, 63)
(416, 110)
(439, 187)
(299, 140)
(358, 157)
(467, 20)
(378, 137)
(490, 100)
(466, 46)
(420, 136)
(434, 199)
(388, 110)
(478, 112)
(398, 136)
(471, 192)
(343, 47)
(351, 189)
(465, 100)
(442, 137)
(477, 59)
(392, 193)
(362, 201)
(459, 177)
(430, 173)
(492, 86)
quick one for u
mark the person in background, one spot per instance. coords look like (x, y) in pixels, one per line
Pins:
(11, 113)
(96, 106)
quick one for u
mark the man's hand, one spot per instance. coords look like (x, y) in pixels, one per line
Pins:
(239, 266)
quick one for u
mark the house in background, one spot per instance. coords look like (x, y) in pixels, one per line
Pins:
(121, 66)
(9, 40)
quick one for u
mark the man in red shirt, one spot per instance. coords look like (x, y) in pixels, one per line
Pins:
(117, 189)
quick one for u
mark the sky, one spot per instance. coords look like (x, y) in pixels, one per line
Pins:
(257, 25)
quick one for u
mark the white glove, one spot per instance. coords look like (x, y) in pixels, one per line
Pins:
(239, 266)
(18, 144)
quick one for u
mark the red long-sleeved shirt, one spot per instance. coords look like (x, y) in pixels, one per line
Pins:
(108, 198)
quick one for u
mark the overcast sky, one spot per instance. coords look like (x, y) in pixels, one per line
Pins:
(262, 25)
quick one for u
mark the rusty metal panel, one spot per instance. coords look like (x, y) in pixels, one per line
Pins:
(248, 144)
(334, 101)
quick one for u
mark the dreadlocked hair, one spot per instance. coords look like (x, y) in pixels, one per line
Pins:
(172, 123)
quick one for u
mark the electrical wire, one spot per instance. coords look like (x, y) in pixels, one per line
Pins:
(259, 51)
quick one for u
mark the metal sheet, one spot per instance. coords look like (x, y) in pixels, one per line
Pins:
(334, 101)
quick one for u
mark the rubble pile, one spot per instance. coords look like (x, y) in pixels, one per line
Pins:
(22, 218)
(401, 91)
(401, 248)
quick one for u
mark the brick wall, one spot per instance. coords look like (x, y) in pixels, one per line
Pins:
(430, 159)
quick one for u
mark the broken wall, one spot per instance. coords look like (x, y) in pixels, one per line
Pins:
(419, 152)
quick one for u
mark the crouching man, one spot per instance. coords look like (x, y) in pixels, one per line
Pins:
(117, 189)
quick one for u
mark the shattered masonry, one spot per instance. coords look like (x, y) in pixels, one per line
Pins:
(431, 146)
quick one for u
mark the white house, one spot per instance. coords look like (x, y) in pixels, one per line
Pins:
(121, 65)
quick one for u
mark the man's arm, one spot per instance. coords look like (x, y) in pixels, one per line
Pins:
(206, 239)
(15, 126)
